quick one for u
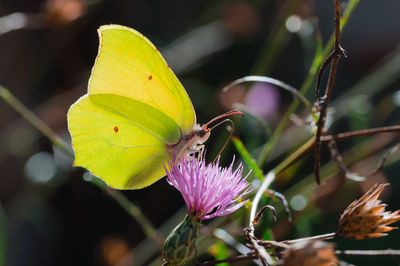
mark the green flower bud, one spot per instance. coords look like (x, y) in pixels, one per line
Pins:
(181, 241)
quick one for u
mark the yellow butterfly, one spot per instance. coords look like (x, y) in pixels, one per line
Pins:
(136, 115)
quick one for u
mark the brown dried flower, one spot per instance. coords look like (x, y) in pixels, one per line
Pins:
(310, 253)
(366, 217)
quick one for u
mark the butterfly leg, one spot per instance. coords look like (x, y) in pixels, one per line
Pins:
(200, 150)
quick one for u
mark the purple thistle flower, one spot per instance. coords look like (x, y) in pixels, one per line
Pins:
(208, 190)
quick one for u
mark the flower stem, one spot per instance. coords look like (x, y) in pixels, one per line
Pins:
(275, 42)
(269, 178)
(295, 156)
(135, 212)
(263, 254)
(9, 98)
(318, 237)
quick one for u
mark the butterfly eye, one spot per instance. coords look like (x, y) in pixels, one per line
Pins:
(202, 132)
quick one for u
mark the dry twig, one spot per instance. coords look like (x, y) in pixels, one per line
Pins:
(350, 174)
(323, 102)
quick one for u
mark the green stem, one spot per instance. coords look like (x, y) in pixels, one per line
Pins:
(135, 212)
(267, 148)
(9, 98)
(35, 121)
(274, 43)
(295, 156)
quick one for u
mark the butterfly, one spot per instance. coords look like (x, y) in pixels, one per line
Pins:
(136, 115)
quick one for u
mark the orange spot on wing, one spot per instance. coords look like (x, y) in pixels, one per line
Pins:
(116, 129)
(150, 77)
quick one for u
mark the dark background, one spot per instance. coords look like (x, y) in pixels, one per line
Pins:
(54, 217)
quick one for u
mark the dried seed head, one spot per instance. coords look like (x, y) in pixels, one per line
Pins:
(366, 217)
(310, 253)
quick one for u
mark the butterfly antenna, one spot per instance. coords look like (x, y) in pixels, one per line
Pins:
(227, 140)
(232, 112)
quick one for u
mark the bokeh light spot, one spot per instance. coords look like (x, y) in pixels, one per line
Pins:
(13, 21)
(263, 98)
(307, 28)
(256, 183)
(41, 167)
(396, 98)
(298, 202)
(293, 23)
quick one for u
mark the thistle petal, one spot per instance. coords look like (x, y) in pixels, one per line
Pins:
(208, 190)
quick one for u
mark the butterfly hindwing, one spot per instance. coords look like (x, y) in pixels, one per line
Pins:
(124, 154)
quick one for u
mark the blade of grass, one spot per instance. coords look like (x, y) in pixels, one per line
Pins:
(35, 121)
(247, 158)
(274, 43)
(267, 148)
(295, 156)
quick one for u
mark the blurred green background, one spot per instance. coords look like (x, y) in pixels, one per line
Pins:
(49, 215)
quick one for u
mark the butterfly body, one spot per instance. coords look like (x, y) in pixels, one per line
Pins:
(190, 143)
